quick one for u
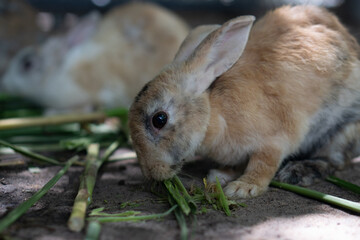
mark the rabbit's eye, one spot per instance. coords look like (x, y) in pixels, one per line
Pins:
(27, 63)
(159, 119)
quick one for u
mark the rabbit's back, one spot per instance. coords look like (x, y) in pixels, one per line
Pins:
(297, 79)
(136, 41)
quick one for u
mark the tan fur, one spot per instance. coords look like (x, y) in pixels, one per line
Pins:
(272, 103)
(151, 50)
(296, 61)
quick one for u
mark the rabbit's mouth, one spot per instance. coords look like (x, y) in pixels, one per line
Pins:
(164, 171)
(177, 167)
(160, 171)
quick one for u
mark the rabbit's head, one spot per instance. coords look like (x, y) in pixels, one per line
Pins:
(33, 70)
(169, 117)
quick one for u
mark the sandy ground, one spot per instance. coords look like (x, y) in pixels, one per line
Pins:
(277, 214)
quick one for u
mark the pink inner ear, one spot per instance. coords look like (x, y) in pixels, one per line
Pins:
(230, 46)
(219, 52)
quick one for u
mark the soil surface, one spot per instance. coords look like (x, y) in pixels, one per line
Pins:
(277, 214)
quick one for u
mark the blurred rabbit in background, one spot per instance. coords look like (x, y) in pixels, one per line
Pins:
(101, 62)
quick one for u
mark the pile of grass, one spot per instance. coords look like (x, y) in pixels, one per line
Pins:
(203, 198)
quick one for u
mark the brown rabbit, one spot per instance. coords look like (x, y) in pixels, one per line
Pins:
(250, 95)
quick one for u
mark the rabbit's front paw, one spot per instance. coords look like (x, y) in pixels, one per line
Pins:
(241, 189)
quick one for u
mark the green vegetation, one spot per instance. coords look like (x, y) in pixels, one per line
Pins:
(326, 198)
(344, 184)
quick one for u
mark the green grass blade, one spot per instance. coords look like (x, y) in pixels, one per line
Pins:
(44, 139)
(186, 195)
(23, 207)
(117, 112)
(180, 218)
(20, 113)
(132, 218)
(342, 183)
(222, 198)
(71, 130)
(176, 195)
(93, 231)
(30, 154)
(110, 150)
(336, 201)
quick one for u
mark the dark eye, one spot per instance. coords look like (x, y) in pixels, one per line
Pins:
(27, 63)
(159, 120)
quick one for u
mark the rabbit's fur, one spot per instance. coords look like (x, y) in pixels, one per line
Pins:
(285, 87)
(101, 62)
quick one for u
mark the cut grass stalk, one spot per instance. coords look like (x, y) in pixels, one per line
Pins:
(30, 154)
(176, 195)
(186, 195)
(77, 218)
(87, 183)
(98, 212)
(12, 123)
(344, 184)
(336, 201)
(222, 198)
(50, 120)
(93, 168)
(132, 218)
(23, 207)
(11, 163)
(93, 231)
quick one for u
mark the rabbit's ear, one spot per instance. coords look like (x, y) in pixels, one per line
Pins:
(218, 52)
(193, 39)
(83, 30)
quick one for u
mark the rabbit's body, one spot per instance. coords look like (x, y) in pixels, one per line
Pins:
(286, 89)
(294, 87)
(101, 62)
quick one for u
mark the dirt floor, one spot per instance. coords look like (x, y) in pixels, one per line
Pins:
(277, 214)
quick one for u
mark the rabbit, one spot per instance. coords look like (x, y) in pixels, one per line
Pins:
(100, 62)
(250, 94)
